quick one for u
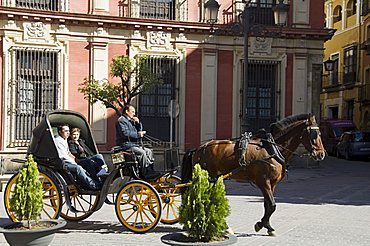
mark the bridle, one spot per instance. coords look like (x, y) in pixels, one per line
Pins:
(313, 133)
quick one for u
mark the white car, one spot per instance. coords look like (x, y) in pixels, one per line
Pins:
(354, 144)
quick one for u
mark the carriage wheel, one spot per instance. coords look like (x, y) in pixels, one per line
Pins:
(85, 204)
(51, 196)
(171, 199)
(138, 206)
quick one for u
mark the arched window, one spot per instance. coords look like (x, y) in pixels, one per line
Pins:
(351, 8)
(337, 14)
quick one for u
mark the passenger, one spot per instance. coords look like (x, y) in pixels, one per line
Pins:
(93, 164)
(70, 161)
(129, 131)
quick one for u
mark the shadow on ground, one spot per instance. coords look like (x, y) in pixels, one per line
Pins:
(335, 181)
(106, 227)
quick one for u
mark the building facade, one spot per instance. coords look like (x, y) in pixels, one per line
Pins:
(49, 46)
(346, 90)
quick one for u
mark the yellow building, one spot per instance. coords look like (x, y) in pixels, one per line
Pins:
(365, 72)
(343, 94)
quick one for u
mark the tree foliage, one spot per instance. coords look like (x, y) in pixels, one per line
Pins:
(135, 77)
(26, 202)
(204, 208)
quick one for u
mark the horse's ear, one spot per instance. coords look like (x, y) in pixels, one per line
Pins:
(311, 118)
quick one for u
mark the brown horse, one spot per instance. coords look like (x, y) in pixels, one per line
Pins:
(221, 157)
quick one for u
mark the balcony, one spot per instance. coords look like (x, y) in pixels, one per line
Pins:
(261, 13)
(49, 5)
(331, 80)
(349, 78)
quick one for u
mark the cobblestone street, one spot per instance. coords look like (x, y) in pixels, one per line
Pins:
(327, 205)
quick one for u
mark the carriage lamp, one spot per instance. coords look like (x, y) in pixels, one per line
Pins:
(211, 8)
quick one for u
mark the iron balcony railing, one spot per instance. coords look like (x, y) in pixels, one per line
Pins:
(51, 5)
(260, 13)
(331, 79)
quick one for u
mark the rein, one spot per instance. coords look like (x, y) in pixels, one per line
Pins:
(292, 152)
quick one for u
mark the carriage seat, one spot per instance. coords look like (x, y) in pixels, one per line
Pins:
(130, 160)
(268, 143)
(56, 164)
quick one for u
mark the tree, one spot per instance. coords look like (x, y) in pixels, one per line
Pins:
(204, 208)
(26, 202)
(135, 77)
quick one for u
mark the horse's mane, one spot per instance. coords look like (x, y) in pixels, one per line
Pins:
(281, 127)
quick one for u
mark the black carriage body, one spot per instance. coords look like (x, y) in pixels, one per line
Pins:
(123, 184)
(42, 144)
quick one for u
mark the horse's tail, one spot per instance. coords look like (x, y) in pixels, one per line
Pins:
(187, 168)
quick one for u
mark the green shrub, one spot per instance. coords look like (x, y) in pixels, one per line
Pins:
(204, 208)
(26, 202)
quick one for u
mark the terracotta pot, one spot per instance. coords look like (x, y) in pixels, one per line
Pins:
(39, 237)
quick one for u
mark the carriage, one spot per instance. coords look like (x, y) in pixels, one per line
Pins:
(140, 204)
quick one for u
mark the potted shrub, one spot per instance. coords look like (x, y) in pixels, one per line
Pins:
(203, 213)
(27, 204)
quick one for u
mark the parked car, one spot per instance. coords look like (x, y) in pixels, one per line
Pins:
(331, 130)
(354, 144)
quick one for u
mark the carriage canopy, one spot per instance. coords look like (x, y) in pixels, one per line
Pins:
(42, 141)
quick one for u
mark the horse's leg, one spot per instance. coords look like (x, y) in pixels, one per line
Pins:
(270, 207)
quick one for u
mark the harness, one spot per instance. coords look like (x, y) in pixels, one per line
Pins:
(267, 142)
(271, 147)
(242, 147)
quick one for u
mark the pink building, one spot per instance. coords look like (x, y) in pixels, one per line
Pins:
(49, 46)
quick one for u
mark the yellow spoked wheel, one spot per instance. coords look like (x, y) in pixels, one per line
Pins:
(171, 199)
(52, 196)
(85, 204)
(138, 206)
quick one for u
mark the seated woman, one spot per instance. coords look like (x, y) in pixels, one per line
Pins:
(93, 164)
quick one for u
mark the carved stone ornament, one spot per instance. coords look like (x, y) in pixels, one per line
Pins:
(36, 30)
(261, 45)
(159, 39)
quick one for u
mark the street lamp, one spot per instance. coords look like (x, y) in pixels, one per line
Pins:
(211, 8)
(280, 12)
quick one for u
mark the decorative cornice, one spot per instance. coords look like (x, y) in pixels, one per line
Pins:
(106, 21)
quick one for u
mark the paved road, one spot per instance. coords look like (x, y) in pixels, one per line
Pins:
(329, 205)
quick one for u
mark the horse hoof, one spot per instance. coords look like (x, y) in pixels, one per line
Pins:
(271, 233)
(257, 228)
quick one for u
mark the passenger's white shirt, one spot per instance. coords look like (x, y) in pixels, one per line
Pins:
(62, 148)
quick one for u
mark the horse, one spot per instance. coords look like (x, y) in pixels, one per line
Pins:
(223, 157)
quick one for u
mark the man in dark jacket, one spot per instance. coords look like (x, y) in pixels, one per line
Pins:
(129, 131)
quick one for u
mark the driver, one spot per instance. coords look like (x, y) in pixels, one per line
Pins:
(128, 133)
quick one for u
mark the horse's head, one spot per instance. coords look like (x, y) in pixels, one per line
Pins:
(311, 139)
